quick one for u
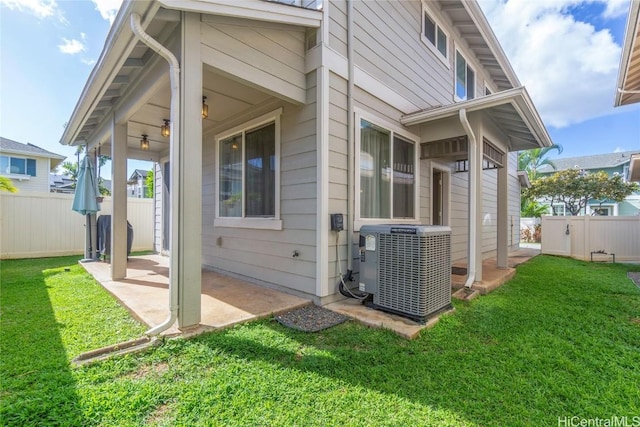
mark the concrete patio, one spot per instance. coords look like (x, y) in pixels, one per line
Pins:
(226, 301)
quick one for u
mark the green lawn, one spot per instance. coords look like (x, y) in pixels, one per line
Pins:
(562, 339)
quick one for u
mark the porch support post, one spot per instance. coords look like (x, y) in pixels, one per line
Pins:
(186, 177)
(92, 251)
(475, 165)
(503, 214)
(119, 200)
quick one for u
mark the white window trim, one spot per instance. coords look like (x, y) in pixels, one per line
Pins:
(274, 223)
(434, 48)
(455, 74)
(446, 214)
(358, 222)
(19, 176)
(612, 207)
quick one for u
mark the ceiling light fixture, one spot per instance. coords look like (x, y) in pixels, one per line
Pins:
(205, 108)
(165, 129)
(144, 142)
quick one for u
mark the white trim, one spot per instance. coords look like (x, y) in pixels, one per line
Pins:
(257, 223)
(250, 9)
(434, 48)
(338, 64)
(360, 115)
(446, 191)
(322, 178)
(16, 176)
(489, 87)
(469, 65)
(273, 116)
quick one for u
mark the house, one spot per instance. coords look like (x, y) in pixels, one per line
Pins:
(27, 165)
(264, 118)
(61, 184)
(137, 184)
(612, 164)
(628, 86)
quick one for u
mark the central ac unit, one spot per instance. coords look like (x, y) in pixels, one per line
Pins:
(407, 268)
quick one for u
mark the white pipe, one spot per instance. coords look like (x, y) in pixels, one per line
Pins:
(620, 90)
(473, 197)
(174, 73)
(350, 139)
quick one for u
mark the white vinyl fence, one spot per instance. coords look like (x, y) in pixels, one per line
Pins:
(579, 236)
(34, 225)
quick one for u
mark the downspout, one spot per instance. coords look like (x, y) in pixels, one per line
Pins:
(350, 141)
(473, 197)
(174, 73)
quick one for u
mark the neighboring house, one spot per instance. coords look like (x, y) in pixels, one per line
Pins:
(612, 164)
(402, 112)
(628, 86)
(61, 184)
(137, 184)
(27, 165)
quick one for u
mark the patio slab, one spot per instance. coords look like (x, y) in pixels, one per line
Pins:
(225, 301)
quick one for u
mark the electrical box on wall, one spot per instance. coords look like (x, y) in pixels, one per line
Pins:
(337, 222)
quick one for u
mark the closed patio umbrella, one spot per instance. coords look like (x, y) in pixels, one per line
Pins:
(84, 199)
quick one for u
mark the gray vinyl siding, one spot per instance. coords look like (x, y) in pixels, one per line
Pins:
(266, 54)
(388, 47)
(459, 215)
(338, 172)
(265, 256)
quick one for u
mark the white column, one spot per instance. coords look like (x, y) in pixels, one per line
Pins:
(119, 200)
(93, 229)
(475, 166)
(186, 176)
(503, 213)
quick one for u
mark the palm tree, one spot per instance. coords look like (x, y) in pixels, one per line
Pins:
(532, 160)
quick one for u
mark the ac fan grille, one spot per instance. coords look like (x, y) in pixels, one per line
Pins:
(414, 273)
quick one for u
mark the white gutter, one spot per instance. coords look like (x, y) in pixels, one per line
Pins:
(174, 73)
(473, 197)
(350, 139)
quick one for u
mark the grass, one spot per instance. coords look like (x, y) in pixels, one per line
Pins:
(561, 339)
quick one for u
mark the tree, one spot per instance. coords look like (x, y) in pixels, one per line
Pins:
(71, 169)
(575, 189)
(7, 185)
(149, 184)
(532, 160)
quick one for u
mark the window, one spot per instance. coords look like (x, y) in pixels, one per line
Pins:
(247, 173)
(465, 85)
(17, 166)
(387, 173)
(248, 180)
(434, 36)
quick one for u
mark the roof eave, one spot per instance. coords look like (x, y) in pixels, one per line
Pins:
(118, 41)
(630, 41)
(518, 97)
(483, 25)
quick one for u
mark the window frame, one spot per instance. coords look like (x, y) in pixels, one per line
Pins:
(433, 47)
(455, 76)
(267, 223)
(393, 129)
(20, 176)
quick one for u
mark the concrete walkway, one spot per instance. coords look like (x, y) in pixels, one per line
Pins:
(225, 301)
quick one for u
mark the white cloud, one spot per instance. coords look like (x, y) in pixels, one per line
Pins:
(72, 47)
(619, 150)
(616, 8)
(569, 67)
(108, 8)
(88, 61)
(40, 8)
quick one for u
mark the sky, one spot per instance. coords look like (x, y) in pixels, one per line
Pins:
(566, 52)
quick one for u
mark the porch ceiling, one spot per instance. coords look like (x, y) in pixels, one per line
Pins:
(470, 22)
(512, 111)
(629, 74)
